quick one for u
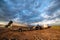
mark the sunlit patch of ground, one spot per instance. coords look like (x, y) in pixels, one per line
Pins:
(57, 27)
(52, 33)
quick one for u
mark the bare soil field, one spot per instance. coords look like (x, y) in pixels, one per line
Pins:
(45, 34)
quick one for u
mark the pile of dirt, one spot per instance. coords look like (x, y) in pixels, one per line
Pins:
(45, 34)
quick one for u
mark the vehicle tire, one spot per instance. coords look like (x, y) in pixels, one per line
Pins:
(20, 30)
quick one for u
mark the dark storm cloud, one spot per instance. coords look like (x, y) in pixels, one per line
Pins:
(54, 7)
(27, 11)
(5, 13)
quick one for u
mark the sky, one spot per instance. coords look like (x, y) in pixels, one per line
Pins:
(30, 11)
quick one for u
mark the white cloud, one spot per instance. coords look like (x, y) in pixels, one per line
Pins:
(16, 19)
(44, 12)
(49, 6)
(54, 21)
(3, 22)
(55, 14)
(44, 15)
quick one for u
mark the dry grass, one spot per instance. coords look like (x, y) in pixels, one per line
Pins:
(57, 27)
(52, 33)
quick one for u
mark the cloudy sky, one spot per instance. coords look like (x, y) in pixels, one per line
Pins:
(30, 11)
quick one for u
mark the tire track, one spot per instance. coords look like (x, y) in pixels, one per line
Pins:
(36, 37)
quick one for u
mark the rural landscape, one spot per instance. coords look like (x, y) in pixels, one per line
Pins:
(29, 19)
(52, 33)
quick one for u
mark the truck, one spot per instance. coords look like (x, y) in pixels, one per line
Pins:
(26, 27)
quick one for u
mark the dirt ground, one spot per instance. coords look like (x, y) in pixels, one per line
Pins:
(45, 34)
